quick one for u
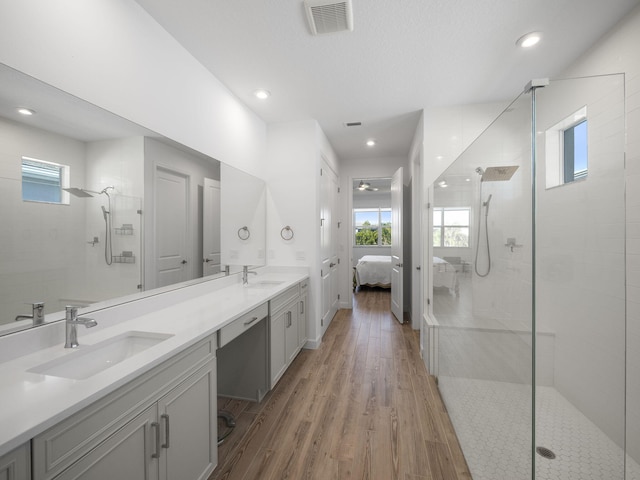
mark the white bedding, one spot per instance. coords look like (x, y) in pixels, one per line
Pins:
(374, 270)
(444, 275)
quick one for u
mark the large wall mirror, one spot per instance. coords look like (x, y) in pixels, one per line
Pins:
(96, 210)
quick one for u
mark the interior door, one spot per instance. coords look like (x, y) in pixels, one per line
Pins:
(211, 227)
(328, 244)
(397, 294)
(171, 227)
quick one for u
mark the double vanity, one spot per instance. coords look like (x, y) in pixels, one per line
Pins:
(137, 397)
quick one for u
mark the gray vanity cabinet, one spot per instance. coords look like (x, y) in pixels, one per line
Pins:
(284, 330)
(16, 465)
(161, 426)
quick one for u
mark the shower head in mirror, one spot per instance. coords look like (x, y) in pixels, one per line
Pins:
(82, 193)
(498, 174)
(79, 192)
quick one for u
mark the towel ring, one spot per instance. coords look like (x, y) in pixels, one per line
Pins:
(286, 233)
(244, 233)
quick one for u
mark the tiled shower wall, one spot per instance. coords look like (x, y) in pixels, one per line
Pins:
(39, 241)
(617, 52)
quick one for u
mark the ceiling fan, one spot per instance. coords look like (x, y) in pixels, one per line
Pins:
(366, 187)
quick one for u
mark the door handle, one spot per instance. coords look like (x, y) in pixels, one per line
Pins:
(418, 267)
(183, 262)
(331, 265)
(399, 265)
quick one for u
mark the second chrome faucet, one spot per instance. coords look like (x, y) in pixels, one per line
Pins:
(71, 322)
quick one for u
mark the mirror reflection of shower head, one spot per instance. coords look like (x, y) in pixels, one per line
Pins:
(83, 193)
(79, 192)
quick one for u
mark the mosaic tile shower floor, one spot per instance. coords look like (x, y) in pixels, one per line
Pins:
(492, 421)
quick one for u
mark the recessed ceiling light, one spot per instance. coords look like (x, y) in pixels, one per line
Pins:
(529, 40)
(26, 111)
(262, 94)
(370, 143)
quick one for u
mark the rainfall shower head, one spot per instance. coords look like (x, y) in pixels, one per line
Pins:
(83, 193)
(79, 192)
(479, 170)
(497, 174)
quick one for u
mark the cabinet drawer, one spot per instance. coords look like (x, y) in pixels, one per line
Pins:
(241, 324)
(63, 444)
(284, 298)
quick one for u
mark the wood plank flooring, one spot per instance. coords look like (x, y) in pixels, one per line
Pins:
(362, 406)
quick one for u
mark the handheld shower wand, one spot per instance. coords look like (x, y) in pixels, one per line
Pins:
(486, 205)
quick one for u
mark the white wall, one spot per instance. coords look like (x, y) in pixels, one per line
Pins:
(295, 153)
(350, 170)
(617, 52)
(114, 55)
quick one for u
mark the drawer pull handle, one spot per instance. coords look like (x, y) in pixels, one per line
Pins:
(250, 321)
(156, 426)
(301, 306)
(165, 417)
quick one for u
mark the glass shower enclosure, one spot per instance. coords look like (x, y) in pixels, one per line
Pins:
(529, 292)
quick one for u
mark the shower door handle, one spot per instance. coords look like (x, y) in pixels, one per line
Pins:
(399, 265)
(183, 262)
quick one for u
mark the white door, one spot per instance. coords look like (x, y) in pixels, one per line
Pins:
(211, 227)
(171, 225)
(328, 244)
(397, 294)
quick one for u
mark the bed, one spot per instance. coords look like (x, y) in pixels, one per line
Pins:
(445, 275)
(374, 271)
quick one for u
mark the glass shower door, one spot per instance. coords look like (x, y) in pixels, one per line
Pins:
(580, 280)
(482, 296)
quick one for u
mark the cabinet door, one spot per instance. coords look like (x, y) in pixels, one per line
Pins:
(128, 453)
(188, 425)
(291, 332)
(16, 464)
(277, 342)
(302, 321)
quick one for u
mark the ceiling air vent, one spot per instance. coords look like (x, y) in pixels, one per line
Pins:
(329, 16)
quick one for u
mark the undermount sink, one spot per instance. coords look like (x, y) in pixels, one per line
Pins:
(264, 283)
(88, 360)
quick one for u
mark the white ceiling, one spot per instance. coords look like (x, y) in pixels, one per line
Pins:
(403, 56)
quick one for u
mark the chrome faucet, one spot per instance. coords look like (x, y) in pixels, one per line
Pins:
(37, 314)
(71, 322)
(245, 274)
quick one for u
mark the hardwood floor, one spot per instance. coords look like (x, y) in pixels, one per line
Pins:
(362, 406)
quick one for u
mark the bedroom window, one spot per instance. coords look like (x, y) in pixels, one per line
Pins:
(451, 227)
(372, 226)
(43, 181)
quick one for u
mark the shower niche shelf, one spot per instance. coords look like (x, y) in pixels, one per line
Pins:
(124, 259)
(124, 230)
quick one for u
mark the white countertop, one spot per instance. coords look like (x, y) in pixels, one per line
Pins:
(30, 402)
